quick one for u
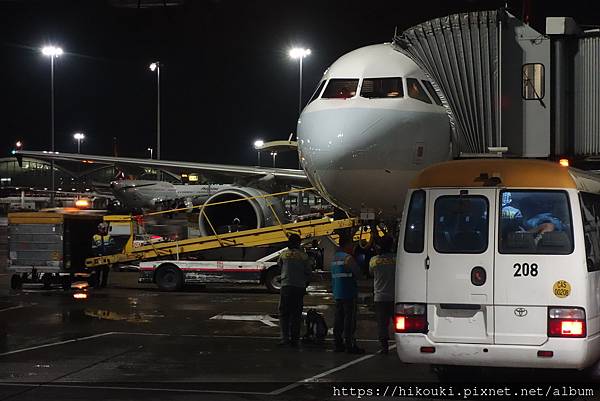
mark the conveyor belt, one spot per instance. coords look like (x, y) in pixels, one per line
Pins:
(248, 238)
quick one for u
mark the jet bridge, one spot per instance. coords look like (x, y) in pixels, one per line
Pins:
(493, 74)
(274, 234)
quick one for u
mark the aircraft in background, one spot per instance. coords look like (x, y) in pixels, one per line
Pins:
(147, 194)
(374, 121)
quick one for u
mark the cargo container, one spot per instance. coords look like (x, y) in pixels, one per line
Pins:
(49, 247)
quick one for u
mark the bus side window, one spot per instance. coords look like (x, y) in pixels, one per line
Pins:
(590, 212)
(414, 234)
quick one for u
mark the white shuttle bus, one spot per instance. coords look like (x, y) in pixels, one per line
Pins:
(499, 265)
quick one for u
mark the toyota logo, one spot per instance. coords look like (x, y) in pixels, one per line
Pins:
(521, 312)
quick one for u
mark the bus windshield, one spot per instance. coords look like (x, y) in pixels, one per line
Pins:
(535, 222)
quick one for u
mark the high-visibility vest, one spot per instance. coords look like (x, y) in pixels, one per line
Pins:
(100, 243)
(342, 281)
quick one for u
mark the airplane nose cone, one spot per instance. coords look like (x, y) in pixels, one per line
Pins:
(334, 142)
(333, 138)
(357, 156)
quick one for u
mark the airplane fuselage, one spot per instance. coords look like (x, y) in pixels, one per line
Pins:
(146, 194)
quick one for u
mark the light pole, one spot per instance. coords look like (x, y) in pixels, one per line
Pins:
(19, 145)
(79, 137)
(299, 53)
(52, 52)
(258, 144)
(150, 150)
(156, 67)
(274, 154)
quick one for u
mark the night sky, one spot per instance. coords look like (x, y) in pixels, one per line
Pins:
(226, 78)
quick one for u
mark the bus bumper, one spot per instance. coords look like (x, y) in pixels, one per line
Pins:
(568, 353)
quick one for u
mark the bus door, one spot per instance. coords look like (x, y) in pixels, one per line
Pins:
(460, 274)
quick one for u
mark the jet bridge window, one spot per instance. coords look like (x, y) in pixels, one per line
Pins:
(533, 81)
(432, 92)
(340, 89)
(416, 91)
(381, 88)
(317, 92)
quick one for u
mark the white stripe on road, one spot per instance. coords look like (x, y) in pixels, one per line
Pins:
(274, 392)
(174, 390)
(17, 307)
(57, 343)
(265, 319)
(320, 375)
(212, 336)
(146, 334)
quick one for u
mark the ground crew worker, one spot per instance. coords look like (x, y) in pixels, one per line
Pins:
(102, 244)
(295, 275)
(316, 253)
(383, 269)
(344, 275)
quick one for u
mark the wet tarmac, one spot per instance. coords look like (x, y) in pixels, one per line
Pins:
(214, 343)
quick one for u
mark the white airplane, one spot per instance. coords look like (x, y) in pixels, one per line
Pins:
(148, 194)
(372, 124)
(374, 121)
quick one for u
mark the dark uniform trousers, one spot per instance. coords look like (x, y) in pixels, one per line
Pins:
(290, 312)
(384, 312)
(345, 322)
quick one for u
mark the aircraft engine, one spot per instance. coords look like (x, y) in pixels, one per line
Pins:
(251, 213)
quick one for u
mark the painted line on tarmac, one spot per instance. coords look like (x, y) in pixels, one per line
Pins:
(57, 343)
(326, 373)
(171, 390)
(145, 334)
(265, 319)
(213, 336)
(18, 307)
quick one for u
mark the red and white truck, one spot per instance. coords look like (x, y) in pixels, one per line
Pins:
(172, 275)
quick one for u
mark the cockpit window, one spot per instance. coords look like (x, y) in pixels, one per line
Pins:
(432, 92)
(340, 89)
(416, 91)
(317, 92)
(382, 88)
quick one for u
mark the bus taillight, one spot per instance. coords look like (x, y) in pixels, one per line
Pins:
(566, 322)
(410, 318)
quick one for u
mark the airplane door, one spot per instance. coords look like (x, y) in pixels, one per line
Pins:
(461, 265)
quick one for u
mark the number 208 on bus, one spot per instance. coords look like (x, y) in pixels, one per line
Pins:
(499, 265)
